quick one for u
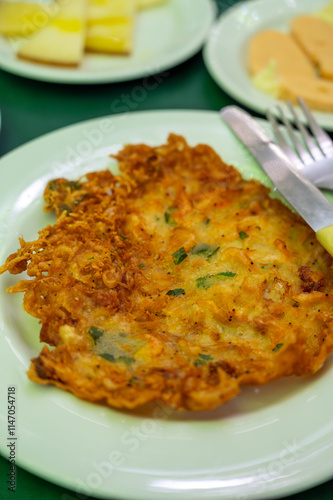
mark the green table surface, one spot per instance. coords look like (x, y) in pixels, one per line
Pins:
(31, 109)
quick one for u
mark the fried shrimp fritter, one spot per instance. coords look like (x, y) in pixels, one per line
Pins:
(175, 279)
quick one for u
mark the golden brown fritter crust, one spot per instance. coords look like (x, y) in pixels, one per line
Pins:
(175, 280)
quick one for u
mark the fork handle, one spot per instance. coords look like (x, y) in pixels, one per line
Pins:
(325, 238)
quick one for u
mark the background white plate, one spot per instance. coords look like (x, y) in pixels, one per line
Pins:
(225, 52)
(165, 36)
(267, 442)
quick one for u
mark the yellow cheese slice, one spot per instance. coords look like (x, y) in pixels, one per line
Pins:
(316, 92)
(270, 45)
(61, 41)
(110, 26)
(21, 18)
(315, 37)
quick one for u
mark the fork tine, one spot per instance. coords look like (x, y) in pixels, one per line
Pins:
(281, 140)
(300, 149)
(323, 139)
(312, 147)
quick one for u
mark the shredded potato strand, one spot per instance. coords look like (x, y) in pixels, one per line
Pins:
(175, 279)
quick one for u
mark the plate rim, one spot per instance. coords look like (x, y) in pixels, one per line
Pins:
(152, 115)
(260, 102)
(52, 74)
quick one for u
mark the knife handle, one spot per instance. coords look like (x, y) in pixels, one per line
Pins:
(325, 238)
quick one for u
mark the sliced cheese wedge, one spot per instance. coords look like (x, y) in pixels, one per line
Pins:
(316, 92)
(289, 59)
(315, 37)
(110, 26)
(21, 18)
(61, 41)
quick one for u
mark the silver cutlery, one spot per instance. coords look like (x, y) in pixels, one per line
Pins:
(309, 148)
(297, 189)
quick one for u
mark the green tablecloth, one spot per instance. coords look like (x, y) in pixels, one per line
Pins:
(31, 108)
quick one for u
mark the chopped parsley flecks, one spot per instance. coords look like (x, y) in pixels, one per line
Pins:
(206, 357)
(95, 333)
(167, 216)
(205, 250)
(132, 380)
(202, 360)
(123, 359)
(267, 266)
(73, 185)
(108, 357)
(78, 199)
(176, 292)
(53, 185)
(243, 235)
(179, 255)
(65, 208)
(210, 279)
(206, 222)
(277, 347)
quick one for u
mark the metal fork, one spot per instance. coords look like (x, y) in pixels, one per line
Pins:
(312, 150)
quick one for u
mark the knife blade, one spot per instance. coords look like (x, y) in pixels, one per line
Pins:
(302, 195)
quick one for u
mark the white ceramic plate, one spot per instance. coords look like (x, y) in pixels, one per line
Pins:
(166, 35)
(225, 52)
(268, 442)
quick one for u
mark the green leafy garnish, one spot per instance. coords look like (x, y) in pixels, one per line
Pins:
(108, 357)
(73, 185)
(176, 292)
(179, 255)
(132, 380)
(167, 216)
(243, 235)
(206, 357)
(113, 359)
(80, 198)
(95, 333)
(207, 221)
(210, 279)
(53, 185)
(202, 360)
(267, 266)
(205, 250)
(125, 359)
(277, 347)
(64, 207)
